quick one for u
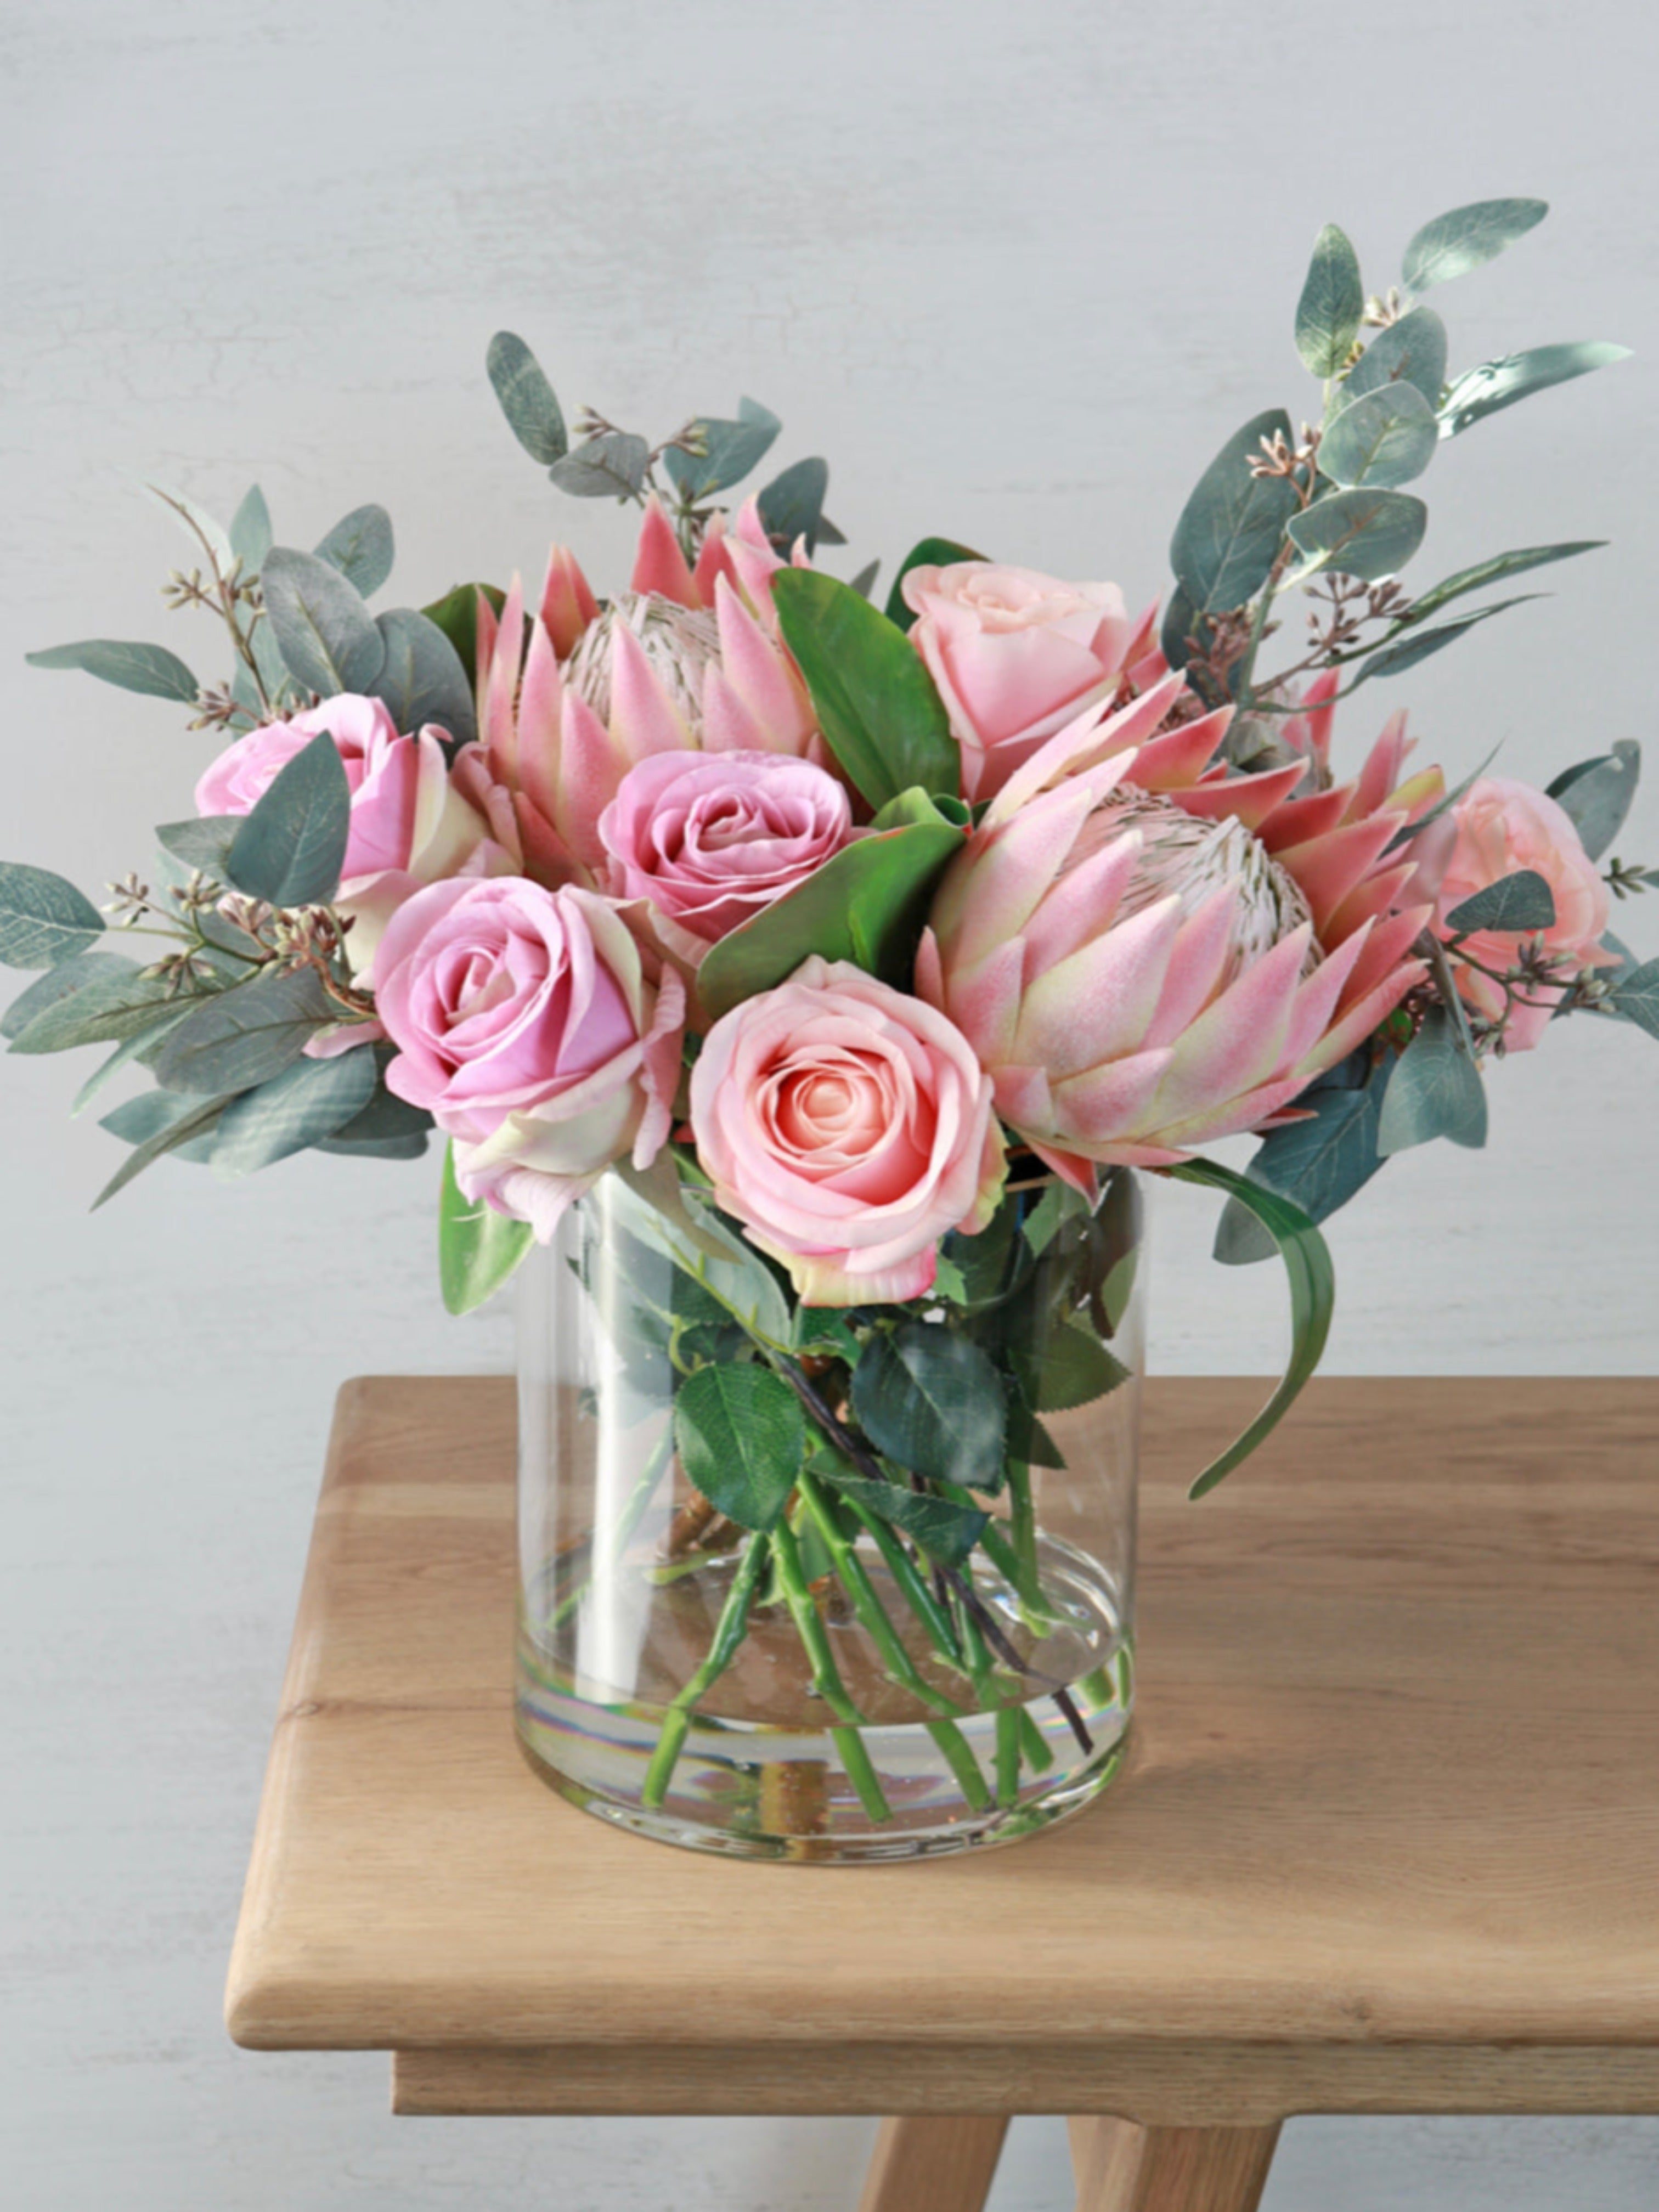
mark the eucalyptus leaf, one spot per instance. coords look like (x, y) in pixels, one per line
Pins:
(1369, 533)
(792, 505)
(290, 846)
(66, 980)
(115, 1004)
(928, 553)
(1382, 438)
(1435, 1091)
(376, 1148)
(1410, 351)
(1465, 237)
(742, 1441)
(360, 546)
(878, 706)
(732, 448)
(130, 1049)
(43, 917)
(1318, 1163)
(383, 1118)
(945, 1531)
(249, 531)
(1333, 301)
(1496, 384)
(205, 531)
(931, 1401)
(128, 664)
(1520, 901)
(478, 1247)
(326, 634)
(245, 1036)
(1493, 571)
(308, 1101)
(1231, 527)
(422, 679)
(1597, 794)
(194, 1119)
(1394, 657)
(534, 414)
(610, 466)
(1181, 625)
(1636, 996)
(203, 842)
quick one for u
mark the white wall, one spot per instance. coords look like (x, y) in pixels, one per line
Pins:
(1017, 270)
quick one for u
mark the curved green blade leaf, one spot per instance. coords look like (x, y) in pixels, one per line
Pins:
(742, 1440)
(1331, 302)
(1313, 1299)
(478, 1247)
(1493, 571)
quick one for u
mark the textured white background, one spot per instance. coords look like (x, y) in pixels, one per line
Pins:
(1017, 270)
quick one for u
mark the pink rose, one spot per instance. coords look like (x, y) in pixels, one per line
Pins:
(527, 1025)
(709, 839)
(412, 822)
(1497, 828)
(1016, 656)
(848, 1126)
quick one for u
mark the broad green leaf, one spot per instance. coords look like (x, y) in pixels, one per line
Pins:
(932, 1402)
(1496, 384)
(731, 450)
(250, 532)
(1493, 571)
(610, 466)
(1313, 1299)
(478, 1247)
(867, 905)
(171, 1132)
(945, 1531)
(117, 1002)
(457, 616)
(1333, 301)
(1435, 1091)
(1232, 526)
(130, 665)
(43, 917)
(360, 546)
(929, 553)
(311, 1100)
(246, 1035)
(1368, 534)
(1318, 1163)
(1462, 239)
(1411, 351)
(325, 632)
(290, 848)
(421, 680)
(877, 705)
(792, 506)
(203, 842)
(533, 415)
(1382, 438)
(63, 980)
(1636, 996)
(1415, 645)
(1597, 794)
(1523, 901)
(742, 1440)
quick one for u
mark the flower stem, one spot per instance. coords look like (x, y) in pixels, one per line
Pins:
(603, 1559)
(729, 1632)
(826, 1675)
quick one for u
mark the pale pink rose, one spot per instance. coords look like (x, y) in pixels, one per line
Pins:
(711, 839)
(1497, 828)
(1017, 655)
(412, 822)
(848, 1126)
(528, 1026)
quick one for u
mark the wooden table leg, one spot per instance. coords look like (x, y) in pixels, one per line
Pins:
(1120, 2167)
(944, 2165)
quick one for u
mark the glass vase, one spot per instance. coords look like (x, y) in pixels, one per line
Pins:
(903, 1622)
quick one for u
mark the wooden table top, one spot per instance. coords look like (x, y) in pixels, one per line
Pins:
(1386, 1837)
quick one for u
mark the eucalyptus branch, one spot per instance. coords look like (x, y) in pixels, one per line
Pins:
(228, 591)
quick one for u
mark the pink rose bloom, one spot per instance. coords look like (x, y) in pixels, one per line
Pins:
(848, 1126)
(1017, 655)
(710, 839)
(527, 1025)
(1498, 828)
(412, 822)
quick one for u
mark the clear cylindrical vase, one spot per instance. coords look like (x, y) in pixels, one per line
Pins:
(828, 1583)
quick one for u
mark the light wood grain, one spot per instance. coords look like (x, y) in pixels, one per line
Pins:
(1123, 2168)
(933, 2165)
(1390, 1790)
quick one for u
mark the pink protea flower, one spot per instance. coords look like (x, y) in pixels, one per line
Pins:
(1145, 966)
(687, 660)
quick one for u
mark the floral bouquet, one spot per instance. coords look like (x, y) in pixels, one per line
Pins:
(808, 982)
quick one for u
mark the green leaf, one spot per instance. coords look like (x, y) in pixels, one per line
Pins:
(742, 1441)
(932, 1402)
(203, 842)
(376, 1148)
(533, 415)
(1467, 236)
(947, 1532)
(1381, 438)
(1074, 1369)
(130, 1049)
(867, 905)
(457, 616)
(1523, 901)
(478, 1247)
(325, 632)
(792, 506)
(1492, 571)
(117, 1002)
(732, 449)
(360, 547)
(202, 528)
(651, 1206)
(928, 553)
(132, 667)
(1392, 660)
(1181, 624)
(422, 679)
(1318, 1163)
(1232, 526)
(1435, 1091)
(1369, 534)
(1636, 996)
(171, 1132)
(1313, 1298)
(43, 917)
(877, 705)
(1597, 794)
(250, 532)
(865, 582)
(1496, 384)
(1411, 351)
(290, 848)
(1333, 301)
(245, 1036)
(65, 980)
(610, 466)
(311, 1100)
(385, 1118)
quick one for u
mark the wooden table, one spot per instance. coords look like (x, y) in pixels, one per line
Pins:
(1386, 1840)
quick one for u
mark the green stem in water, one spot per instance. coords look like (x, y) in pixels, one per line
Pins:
(603, 1559)
(729, 1632)
(826, 1675)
